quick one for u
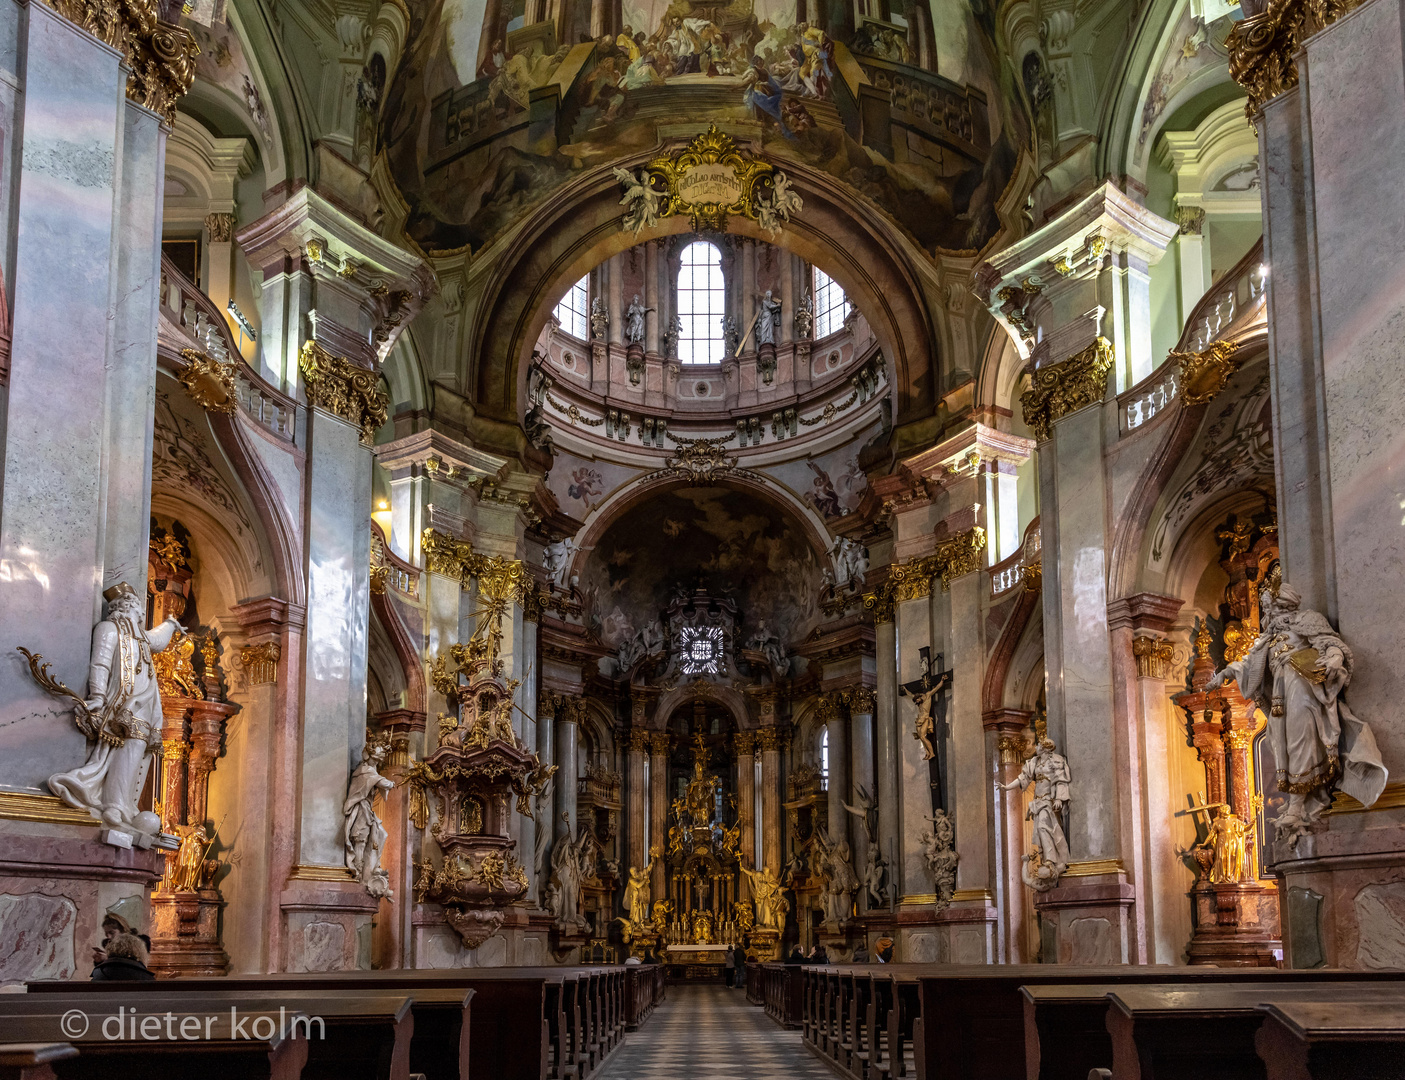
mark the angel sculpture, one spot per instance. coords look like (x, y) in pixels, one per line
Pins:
(775, 212)
(640, 200)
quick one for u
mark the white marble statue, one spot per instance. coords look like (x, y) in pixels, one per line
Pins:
(566, 876)
(841, 882)
(1048, 772)
(634, 321)
(641, 201)
(365, 835)
(850, 563)
(542, 841)
(599, 317)
(556, 558)
(764, 641)
(939, 851)
(768, 320)
(121, 716)
(1296, 672)
(865, 808)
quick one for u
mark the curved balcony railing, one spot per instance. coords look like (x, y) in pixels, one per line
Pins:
(1013, 569)
(185, 306)
(1234, 308)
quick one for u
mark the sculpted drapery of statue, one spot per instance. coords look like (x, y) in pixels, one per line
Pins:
(1297, 672)
(121, 716)
(771, 904)
(1048, 771)
(636, 892)
(365, 835)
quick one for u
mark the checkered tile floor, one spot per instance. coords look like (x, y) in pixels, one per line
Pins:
(711, 1033)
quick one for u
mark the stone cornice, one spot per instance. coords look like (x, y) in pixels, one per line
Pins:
(436, 452)
(950, 459)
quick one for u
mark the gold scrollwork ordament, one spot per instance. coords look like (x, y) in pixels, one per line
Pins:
(710, 180)
(160, 56)
(209, 383)
(1205, 373)
(913, 580)
(1066, 387)
(1153, 657)
(960, 555)
(343, 389)
(1262, 47)
(881, 601)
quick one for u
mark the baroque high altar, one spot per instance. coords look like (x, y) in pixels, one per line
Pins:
(530, 497)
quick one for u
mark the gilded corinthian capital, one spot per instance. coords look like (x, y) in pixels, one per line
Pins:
(1066, 387)
(343, 389)
(960, 555)
(1262, 47)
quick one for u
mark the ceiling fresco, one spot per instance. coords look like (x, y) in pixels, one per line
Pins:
(470, 149)
(736, 544)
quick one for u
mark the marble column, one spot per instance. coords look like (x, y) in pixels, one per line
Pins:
(658, 802)
(84, 173)
(914, 627)
(338, 621)
(885, 729)
(837, 725)
(654, 324)
(1007, 730)
(861, 706)
(745, 743)
(528, 693)
(636, 758)
(770, 741)
(568, 769)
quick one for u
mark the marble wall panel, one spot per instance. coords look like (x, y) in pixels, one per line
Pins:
(51, 527)
(1359, 215)
(38, 934)
(338, 619)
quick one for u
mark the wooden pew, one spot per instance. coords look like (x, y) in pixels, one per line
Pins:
(352, 1035)
(32, 1061)
(783, 993)
(1178, 1032)
(222, 1054)
(973, 1017)
(521, 1027)
(1330, 1040)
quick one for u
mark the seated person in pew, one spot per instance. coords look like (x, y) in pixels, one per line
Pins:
(124, 960)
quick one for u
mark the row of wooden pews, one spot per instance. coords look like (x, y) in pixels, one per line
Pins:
(1047, 1022)
(469, 1024)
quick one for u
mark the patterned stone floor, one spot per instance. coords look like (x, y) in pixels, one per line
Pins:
(711, 1033)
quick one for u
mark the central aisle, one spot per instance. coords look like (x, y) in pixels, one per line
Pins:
(711, 1033)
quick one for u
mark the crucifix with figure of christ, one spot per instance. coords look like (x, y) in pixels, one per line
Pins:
(928, 692)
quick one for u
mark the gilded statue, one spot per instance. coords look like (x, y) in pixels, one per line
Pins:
(121, 716)
(636, 891)
(189, 870)
(663, 911)
(771, 904)
(1297, 672)
(702, 928)
(1228, 838)
(742, 916)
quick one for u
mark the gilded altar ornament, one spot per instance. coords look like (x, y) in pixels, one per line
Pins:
(1064, 388)
(709, 181)
(771, 904)
(343, 389)
(209, 382)
(1205, 373)
(1297, 672)
(1263, 47)
(478, 766)
(175, 674)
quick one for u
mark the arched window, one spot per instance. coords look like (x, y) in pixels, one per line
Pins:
(573, 313)
(824, 758)
(701, 304)
(831, 305)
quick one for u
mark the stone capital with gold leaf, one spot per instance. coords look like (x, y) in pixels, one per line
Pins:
(1064, 388)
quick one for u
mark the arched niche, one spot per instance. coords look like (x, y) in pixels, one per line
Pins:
(579, 227)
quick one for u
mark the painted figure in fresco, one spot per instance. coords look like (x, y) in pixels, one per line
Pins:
(121, 717)
(1297, 672)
